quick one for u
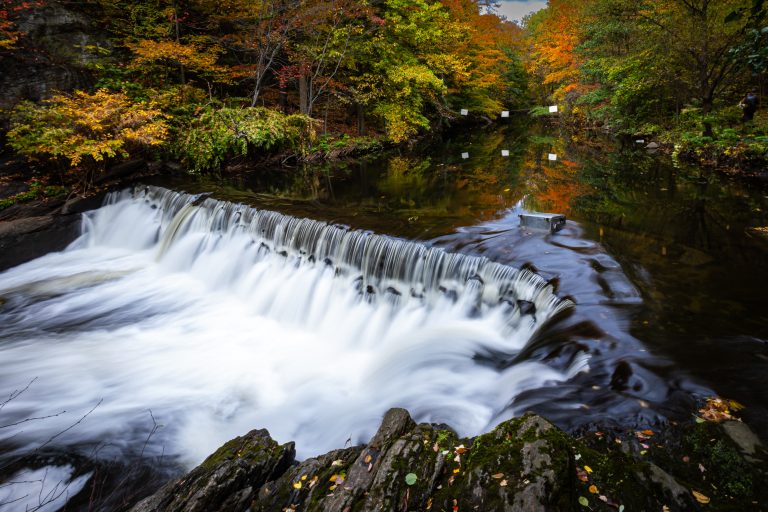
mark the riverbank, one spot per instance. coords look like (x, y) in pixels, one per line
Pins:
(524, 464)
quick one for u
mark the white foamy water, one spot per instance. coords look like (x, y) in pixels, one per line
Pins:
(220, 318)
(41, 490)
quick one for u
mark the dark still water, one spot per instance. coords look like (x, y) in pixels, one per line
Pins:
(662, 255)
(309, 301)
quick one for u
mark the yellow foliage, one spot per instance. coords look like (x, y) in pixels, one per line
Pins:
(81, 126)
(192, 56)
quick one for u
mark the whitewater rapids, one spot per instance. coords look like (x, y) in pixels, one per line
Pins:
(219, 318)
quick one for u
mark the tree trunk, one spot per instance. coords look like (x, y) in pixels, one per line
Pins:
(706, 108)
(283, 97)
(303, 95)
(360, 119)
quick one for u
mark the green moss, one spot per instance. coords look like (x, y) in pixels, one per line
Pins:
(734, 476)
(36, 191)
(249, 448)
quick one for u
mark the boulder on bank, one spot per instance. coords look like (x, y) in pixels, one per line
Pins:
(524, 464)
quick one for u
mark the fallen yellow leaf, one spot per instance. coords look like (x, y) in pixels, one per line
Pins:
(368, 459)
(587, 469)
(297, 485)
(456, 471)
(700, 497)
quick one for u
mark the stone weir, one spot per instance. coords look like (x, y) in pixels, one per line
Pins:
(524, 464)
(385, 268)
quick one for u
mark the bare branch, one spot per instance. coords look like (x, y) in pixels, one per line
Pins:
(71, 426)
(15, 393)
(32, 419)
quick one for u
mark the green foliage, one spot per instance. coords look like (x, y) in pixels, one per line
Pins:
(344, 144)
(37, 190)
(217, 134)
(539, 111)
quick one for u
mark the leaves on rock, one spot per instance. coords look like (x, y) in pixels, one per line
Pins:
(719, 409)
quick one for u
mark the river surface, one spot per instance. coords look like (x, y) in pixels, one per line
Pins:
(178, 321)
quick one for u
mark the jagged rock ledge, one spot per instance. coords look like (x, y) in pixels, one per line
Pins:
(525, 464)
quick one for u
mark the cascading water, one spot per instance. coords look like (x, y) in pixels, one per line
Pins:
(219, 318)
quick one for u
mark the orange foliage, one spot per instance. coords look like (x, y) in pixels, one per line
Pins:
(553, 43)
(487, 37)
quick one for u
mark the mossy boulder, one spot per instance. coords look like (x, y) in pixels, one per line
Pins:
(227, 480)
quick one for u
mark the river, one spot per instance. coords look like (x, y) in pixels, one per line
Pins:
(178, 321)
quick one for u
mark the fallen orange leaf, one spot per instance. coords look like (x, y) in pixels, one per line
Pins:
(700, 497)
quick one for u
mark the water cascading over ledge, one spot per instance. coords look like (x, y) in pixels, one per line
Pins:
(219, 318)
(380, 265)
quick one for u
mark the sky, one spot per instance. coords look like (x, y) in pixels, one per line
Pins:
(516, 9)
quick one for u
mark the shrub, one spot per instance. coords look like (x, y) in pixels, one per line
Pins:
(218, 134)
(85, 129)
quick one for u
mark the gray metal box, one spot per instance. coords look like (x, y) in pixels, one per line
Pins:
(552, 222)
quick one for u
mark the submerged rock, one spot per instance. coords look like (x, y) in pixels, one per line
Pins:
(524, 464)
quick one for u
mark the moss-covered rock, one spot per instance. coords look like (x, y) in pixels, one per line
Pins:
(228, 479)
(524, 464)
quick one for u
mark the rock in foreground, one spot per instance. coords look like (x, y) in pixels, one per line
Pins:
(525, 464)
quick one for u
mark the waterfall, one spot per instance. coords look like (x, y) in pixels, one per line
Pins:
(220, 317)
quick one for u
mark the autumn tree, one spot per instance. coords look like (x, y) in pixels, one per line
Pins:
(256, 34)
(490, 47)
(329, 29)
(554, 39)
(686, 47)
(407, 65)
(85, 129)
